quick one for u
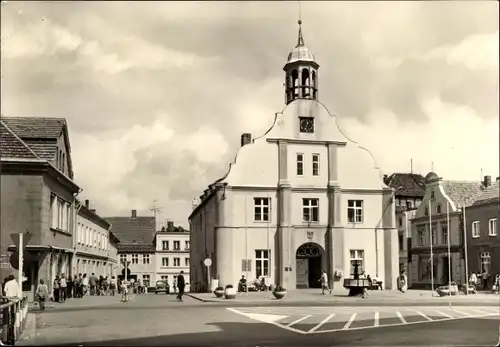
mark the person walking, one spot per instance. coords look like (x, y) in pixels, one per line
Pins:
(324, 283)
(181, 284)
(63, 288)
(42, 293)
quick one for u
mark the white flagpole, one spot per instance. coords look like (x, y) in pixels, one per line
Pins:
(449, 246)
(465, 255)
(269, 267)
(246, 244)
(432, 254)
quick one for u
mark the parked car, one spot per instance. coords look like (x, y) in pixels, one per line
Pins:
(162, 286)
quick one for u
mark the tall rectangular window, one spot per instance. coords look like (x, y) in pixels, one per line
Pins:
(123, 257)
(164, 245)
(420, 234)
(187, 245)
(310, 210)
(53, 211)
(444, 234)
(300, 164)
(434, 235)
(135, 258)
(261, 209)
(475, 229)
(485, 261)
(164, 261)
(492, 227)
(146, 280)
(145, 259)
(315, 164)
(186, 262)
(177, 261)
(356, 256)
(355, 211)
(177, 245)
(262, 262)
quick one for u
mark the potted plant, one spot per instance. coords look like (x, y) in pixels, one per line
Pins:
(230, 292)
(279, 292)
(219, 292)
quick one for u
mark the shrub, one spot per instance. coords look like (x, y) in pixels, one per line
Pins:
(219, 288)
(229, 286)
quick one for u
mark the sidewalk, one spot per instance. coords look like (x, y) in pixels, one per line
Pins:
(339, 296)
(85, 302)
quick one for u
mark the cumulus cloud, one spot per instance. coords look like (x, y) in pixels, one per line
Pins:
(157, 94)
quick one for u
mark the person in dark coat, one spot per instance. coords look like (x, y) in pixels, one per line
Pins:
(181, 284)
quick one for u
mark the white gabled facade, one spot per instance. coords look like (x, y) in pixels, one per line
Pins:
(299, 199)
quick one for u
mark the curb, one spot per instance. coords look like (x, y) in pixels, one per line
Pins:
(199, 299)
(29, 334)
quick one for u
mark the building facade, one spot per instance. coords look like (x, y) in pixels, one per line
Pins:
(38, 196)
(172, 254)
(409, 192)
(137, 245)
(304, 208)
(433, 226)
(483, 242)
(95, 244)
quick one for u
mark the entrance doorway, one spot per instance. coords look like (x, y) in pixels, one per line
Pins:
(446, 272)
(309, 259)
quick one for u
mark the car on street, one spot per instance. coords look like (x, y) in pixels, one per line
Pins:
(162, 286)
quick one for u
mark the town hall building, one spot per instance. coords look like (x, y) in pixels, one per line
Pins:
(299, 198)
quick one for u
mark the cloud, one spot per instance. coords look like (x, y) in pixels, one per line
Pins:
(157, 94)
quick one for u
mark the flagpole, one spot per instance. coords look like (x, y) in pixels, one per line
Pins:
(449, 246)
(268, 242)
(432, 254)
(246, 244)
(465, 255)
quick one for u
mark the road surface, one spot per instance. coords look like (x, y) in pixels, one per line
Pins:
(162, 321)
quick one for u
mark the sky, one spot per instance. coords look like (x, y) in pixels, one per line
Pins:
(157, 94)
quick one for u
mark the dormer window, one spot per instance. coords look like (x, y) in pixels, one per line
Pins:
(306, 125)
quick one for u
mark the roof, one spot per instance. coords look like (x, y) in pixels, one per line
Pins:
(490, 194)
(11, 146)
(133, 232)
(301, 52)
(413, 185)
(36, 127)
(462, 193)
(44, 150)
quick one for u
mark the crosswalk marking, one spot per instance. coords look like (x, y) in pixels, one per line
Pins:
(298, 320)
(400, 316)
(461, 312)
(423, 315)
(376, 319)
(348, 324)
(444, 314)
(322, 322)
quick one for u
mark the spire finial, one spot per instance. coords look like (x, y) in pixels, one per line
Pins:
(300, 40)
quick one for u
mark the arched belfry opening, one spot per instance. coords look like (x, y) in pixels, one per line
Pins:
(301, 72)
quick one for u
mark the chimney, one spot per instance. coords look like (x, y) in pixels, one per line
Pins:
(170, 226)
(87, 203)
(487, 181)
(134, 214)
(246, 138)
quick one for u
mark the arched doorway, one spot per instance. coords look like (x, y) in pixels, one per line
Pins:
(309, 259)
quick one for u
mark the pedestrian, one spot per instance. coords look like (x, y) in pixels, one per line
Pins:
(55, 289)
(11, 288)
(112, 285)
(324, 283)
(63, 288)
(181, 284)
(42, 293)
(403, 282)
(85, 285)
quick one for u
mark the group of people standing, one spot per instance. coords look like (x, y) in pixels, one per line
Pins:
(482, 281)
(81, 285)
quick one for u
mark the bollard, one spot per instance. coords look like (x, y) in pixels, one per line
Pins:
(5, 323)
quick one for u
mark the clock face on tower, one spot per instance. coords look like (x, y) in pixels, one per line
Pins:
(306, 124)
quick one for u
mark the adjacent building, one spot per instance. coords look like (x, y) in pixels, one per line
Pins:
(305, 207)
(483, 241)
(409, 192)
(38, 196)
(172, 253)
(95, 244)
(431, 227)
(137, 245)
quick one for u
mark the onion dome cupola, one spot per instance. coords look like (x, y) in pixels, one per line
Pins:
(301, 71)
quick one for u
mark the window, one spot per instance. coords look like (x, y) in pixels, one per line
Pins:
(485, 261)
(426, 211)
(475, 229)
(53, 211)
(438, 208)
(261, 209)
(356, 256)
(355, 211)
(123, 258)
(444, 234)
(306, 124)
(410, 204)
(164, 245)
(300, 164)
(78, 233)
(262, 263)
(401, 242)
(187, 245)
(164, 278)
(186, 262)
(432, 195)
(315, 164)
(310, 210)
(177, 245)
(400, 221)
(425, 269)
(434, 235)
(421, 238)
(164, 261)
(177, 261)
(145, 259)
(146, 280)
(68, 216)
(135, 258)
(492, 227)
(99, 240)
(60, 209)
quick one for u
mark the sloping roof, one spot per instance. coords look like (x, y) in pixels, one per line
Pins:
(36, 127)
(490, 194)
(45, 150)
(11, 146)
(138, 231)
(413, 185)
(462, 193)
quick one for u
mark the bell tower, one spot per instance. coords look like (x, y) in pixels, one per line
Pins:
(301, 72)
